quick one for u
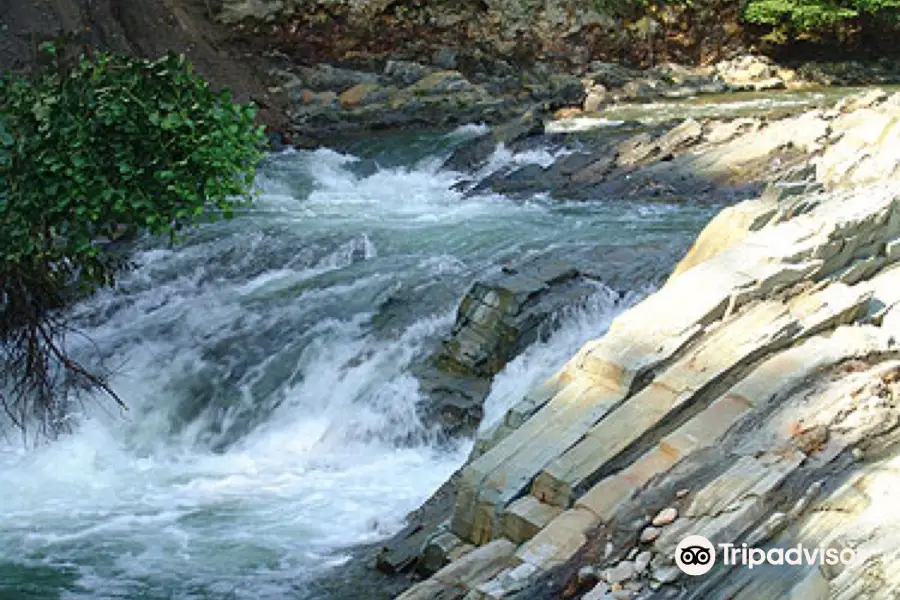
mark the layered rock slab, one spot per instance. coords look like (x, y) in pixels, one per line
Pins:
(740, 419)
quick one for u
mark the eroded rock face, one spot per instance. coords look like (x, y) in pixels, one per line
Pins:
(713, 160)
(496, 320)
(755, 390)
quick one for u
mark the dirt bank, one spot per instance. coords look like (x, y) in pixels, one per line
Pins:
(145, 28)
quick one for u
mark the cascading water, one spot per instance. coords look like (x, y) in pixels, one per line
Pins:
(272, 422)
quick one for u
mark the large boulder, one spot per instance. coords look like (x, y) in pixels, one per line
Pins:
(753, 72)
(497, 319)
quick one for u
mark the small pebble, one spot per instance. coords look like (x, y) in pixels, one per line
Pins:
(607, 552)
(665, 517)
(649, 534)
(666, 574)
(682, 493)
(632, 553)
(858, 455)
(642, 561)
(621, 572)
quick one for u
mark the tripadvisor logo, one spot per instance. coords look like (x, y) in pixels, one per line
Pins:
(696, 555)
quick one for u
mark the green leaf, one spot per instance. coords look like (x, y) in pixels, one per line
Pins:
(110, 141)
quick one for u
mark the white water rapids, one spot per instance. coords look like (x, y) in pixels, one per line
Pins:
(272, 422)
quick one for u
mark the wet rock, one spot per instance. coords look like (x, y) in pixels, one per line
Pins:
(475, 153)
(404, 73)
(675, 162)
(437, 552)
(495, 321)
(403, 551)
(478, 566)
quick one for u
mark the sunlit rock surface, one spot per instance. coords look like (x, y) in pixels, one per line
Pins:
(754, 397)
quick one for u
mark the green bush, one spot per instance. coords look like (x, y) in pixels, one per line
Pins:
(89, 148)
(789, 18)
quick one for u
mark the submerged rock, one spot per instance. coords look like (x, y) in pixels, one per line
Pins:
(474, 153)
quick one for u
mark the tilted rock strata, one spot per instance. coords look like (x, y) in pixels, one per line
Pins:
(724, 396)
(496, 320)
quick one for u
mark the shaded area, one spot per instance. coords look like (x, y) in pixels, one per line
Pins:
(146, 28)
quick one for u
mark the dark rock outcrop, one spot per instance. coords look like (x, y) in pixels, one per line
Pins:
(496, 320)
(708, 160)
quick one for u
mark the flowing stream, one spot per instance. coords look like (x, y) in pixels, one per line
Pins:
(272, 419)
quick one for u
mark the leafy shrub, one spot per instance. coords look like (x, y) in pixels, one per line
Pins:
(89, 148)
(788, 18)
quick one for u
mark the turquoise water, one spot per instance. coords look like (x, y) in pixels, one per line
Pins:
(272, 423)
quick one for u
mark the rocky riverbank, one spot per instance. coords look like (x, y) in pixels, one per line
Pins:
(327, 101)
(752, 399)
(325, 71)
(713, 160)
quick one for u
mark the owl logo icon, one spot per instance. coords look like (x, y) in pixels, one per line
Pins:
(695, 555)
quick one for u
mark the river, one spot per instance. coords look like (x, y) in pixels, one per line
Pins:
(272, 419)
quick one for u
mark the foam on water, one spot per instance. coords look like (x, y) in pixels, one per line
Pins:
(272, 420)
(503, 157)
